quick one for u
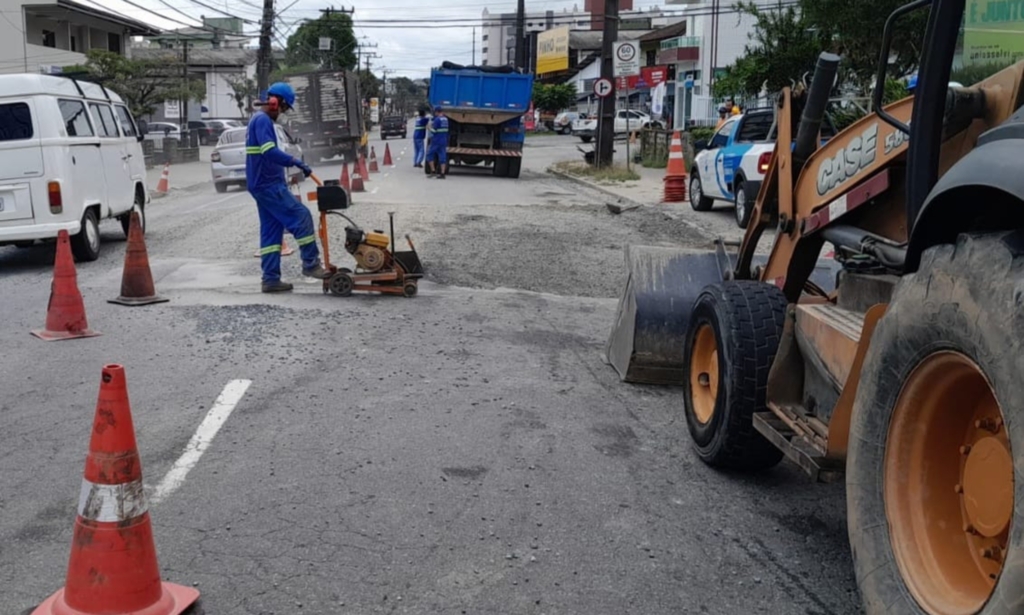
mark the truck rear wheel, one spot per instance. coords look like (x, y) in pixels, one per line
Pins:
(931, 484)
(501, 167)
(731, 342)
(514, 166)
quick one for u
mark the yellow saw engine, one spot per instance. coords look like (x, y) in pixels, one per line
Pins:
(370, 249)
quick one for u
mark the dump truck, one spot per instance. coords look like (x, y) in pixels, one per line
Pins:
(485, 107)
(328, 115)
(902, 373)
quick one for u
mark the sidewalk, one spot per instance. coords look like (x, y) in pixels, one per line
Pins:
(182, 176)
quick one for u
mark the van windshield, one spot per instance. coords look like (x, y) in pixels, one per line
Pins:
(15, 122)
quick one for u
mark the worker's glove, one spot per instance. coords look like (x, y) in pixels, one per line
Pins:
(306, 171)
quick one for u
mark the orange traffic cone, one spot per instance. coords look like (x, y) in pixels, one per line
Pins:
(357, 181)
(113, 566)
(387, 156)
(164, 185)
(137, 280)
(675, 173)
(373, 161)
(363, 171)
(65, 314)
(344, 177)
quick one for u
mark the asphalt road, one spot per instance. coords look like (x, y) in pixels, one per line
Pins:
(463, 451)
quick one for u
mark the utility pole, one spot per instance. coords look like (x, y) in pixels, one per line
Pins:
(263, 57)
(474, 45)
(606, 113)
(520, 33)
(184, 85)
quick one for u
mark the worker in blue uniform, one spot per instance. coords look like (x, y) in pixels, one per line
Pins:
(419, 135)
(265, 165)
(437, 153)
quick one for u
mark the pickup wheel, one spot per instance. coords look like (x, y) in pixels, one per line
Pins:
(744, 202)
(698, 201)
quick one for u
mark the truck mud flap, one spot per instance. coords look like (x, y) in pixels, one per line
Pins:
(662, 284)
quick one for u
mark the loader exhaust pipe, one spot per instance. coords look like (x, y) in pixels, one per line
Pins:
(814, 109)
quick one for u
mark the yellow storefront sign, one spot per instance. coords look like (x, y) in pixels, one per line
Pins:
(553, 50)
(994, 32)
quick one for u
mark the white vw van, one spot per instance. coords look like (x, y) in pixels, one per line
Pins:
(70, 156)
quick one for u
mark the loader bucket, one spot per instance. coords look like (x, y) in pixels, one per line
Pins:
(646, 344)
(648, 338)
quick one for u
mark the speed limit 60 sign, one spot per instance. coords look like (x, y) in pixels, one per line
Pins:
(626, 59)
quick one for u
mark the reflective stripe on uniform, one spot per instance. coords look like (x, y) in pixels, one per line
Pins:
(112, 503)
(305, 241)
(441, 130)
(270, 250)
(255, 149)
(269, 145)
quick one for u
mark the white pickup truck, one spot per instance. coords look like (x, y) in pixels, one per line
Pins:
(625, 121)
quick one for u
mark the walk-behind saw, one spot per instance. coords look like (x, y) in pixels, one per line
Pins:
(379, 267)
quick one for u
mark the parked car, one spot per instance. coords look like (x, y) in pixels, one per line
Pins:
(70, 156)
(563, 123)
(626, 120)
(393, 125)
(209, 130)
(158, 131)
(227, 162)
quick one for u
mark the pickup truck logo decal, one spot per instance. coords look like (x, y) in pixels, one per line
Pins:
(849, 161)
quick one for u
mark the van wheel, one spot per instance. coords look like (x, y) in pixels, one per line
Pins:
(86, 244)
(222, 187)
(126, 218)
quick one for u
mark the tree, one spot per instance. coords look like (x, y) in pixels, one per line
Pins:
(304, 44)
(369, 85)
(143, 84)
(854, 30)
(243, 92)
(783, 47)
(554, 97)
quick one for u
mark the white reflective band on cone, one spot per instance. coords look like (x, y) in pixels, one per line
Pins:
(675, 155)
(112, 503)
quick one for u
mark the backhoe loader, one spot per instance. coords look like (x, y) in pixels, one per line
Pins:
(902, 372)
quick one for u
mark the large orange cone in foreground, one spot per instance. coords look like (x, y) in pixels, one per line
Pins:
(137, 280)
(113, 568)
(65, 314)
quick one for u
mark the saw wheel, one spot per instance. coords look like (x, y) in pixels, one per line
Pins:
(341, 284)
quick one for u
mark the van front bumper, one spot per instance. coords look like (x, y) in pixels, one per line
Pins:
(29, 232)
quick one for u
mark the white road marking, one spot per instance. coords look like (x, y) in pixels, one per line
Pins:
(374, 191)
(201, 439)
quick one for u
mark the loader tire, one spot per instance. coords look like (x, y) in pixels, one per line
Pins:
(731, 342)
(933, 498)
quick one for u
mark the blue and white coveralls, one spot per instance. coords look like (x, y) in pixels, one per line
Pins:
(438, 150)
(265, 178)
(419, 135)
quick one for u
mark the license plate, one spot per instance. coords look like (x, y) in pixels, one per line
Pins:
(237, 172)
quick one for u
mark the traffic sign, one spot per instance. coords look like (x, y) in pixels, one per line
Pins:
(602, 87)
(626, 59)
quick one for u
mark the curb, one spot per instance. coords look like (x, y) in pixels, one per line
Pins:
(597, 187)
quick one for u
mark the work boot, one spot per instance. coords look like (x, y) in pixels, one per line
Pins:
(317, 272)
(276, 287)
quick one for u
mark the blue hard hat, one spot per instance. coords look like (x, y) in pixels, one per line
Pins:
(912, 82)
(437, 109)
(282, 91)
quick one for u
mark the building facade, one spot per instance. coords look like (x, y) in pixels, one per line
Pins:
(498, 32)
(47, 37)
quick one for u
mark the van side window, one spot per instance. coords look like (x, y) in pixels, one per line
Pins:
(15, 122)
(104, 120)
(127, 125)
(76, 120)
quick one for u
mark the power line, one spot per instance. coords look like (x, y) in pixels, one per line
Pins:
(213, 8)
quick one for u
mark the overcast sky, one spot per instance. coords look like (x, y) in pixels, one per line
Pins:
(407, 51)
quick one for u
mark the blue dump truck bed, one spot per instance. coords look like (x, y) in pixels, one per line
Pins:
(485, 108)
(470, 89)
